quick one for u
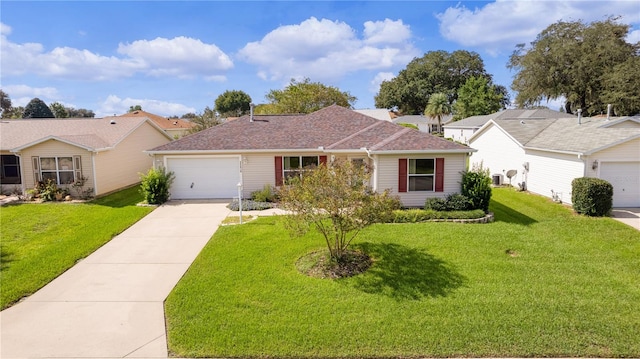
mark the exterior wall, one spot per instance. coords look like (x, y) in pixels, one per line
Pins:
(386, 173)
(628, 151)
(54, 148)
(550, 171)
(121, 166)
(459, 134)
(177, 133)
(499, 153)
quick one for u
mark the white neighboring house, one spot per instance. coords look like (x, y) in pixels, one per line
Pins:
(461, 131)
(549, 153)
(424, 123)
(377, 113)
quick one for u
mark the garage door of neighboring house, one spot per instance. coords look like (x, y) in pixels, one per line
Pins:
(202, 178)
(625, 178)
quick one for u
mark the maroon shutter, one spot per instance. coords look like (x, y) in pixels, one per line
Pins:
(402, 175)
(439, 174)
(323, 160)
(279, 171)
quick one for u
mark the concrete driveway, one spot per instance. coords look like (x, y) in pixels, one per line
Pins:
(110, 305)
(630, 216)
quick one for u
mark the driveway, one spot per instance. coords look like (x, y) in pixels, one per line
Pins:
(110, 305)
(630, 216)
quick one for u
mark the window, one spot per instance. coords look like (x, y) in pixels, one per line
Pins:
(296, 165)
(421, 174)
(10, 169)
(59, 169)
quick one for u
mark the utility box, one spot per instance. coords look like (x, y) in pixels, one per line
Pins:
(497, 179)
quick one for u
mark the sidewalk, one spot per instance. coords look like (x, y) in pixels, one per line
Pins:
(110, 305)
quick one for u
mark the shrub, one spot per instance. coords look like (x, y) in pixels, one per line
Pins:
(155, 185)
(453, 202)
(422, 215)
(476, 185)
(250, 205)
(266, 194)
(592, 196)
(436, 204)
(47, 190)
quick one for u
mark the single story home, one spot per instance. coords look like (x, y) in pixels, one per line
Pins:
(175, 127)
(547, 154)
(255, 151)
(108, 152)
(377, 113)
(462, 130)
(424, 123)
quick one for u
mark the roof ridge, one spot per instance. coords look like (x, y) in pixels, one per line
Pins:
(377, 123)
(391, 138)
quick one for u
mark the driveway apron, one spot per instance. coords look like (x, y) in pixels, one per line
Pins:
(110, 305)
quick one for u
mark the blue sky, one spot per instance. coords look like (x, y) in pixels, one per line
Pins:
(177, 57)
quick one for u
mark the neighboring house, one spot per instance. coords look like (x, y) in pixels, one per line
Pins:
(424, 124)
(549, 153)
(377, 113)
(267, 149)
(175, 127)
(107, 151)
(462, 130)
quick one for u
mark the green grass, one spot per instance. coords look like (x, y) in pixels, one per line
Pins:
(539, 281)
(41, 241)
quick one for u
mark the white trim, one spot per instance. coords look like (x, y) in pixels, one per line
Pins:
(95, 178)
(45, 139)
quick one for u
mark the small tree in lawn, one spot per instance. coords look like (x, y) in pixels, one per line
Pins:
(337, 201)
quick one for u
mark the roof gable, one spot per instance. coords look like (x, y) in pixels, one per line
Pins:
(332, 128)
(90, 134)
(162, 122)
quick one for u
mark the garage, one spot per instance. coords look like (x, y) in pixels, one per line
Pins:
(204, 177)
(625, 178)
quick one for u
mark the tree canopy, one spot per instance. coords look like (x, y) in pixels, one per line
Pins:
(304, 97)
(435, 72)
(587, 64)
(479, 97)
(59, 111)
(5, 103)
(36, 108)
(233, 103)
(135, 108)
(203, 120)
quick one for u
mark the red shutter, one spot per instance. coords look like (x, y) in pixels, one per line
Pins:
(279, 171)
(439, 174)
(323, 160)
(402, 175)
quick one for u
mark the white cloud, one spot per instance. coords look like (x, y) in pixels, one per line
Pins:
(114, 105)
(5, 29)
(179, 57)
(326, 50)
(633, 36)
(386, 32)
(377, 80)
(21, 94)
(500, 25)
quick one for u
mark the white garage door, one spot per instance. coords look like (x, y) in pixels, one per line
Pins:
(625, 178)
(213, 177)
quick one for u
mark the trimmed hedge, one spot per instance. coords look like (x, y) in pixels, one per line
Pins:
(453, 202)
(423, 215)
(592, 196)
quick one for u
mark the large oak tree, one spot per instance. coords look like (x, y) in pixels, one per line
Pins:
(304, 97)
(588, 64)
(435, 72)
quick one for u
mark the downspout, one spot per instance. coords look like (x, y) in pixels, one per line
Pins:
(374, 185)
(93, 170)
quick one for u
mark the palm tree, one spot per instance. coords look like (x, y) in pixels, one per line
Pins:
(437, 107)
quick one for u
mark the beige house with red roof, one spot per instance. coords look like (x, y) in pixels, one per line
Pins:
(267, 149)
(175, 127)
(107, 151)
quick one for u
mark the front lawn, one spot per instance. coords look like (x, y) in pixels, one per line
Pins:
(539, 281)
(41, 241)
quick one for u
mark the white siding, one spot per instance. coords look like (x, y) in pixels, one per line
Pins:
(54, 148)
(121, 166)
(387, 177)
(499, 153)
(553, 171)
(258, 170)
(459, 134)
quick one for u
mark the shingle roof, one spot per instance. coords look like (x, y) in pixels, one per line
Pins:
(566, 134)
(162, 122)
(92, 134)
(333, 128)
(520, 114)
